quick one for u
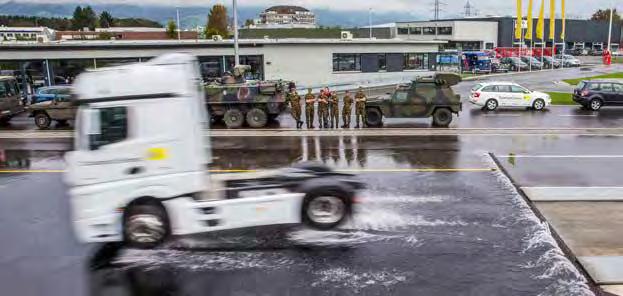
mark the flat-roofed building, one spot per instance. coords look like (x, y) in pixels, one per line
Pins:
(38, 34)
(286, 16)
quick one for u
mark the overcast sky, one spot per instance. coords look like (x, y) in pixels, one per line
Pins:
(452, 7)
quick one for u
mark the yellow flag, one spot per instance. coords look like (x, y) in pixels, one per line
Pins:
(552, 19)
(529, 29)
(540, 25)
(519, 21)
(562, 31)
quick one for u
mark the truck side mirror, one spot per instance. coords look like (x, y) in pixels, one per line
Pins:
(91, 121)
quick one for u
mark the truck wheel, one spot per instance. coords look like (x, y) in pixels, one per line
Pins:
(257, 118)
(325, 208)
(442, 117)
(42, 120)
(145, 226)
(374, 117)
(233, 118)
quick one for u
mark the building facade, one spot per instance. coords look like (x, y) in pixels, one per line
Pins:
(310, 63)
(123, 33)
(465, 34)
(284, 16)
(36, 34)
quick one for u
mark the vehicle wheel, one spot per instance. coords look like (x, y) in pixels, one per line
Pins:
(513, 68)
(42, 120)
(442, 117)
(233, 118)
(491, 105)
(145, 226)
(326, 208)
(374, 117)
(595, 104)
(257, 118)
(538, 104)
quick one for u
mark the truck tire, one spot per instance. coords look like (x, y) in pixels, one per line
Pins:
(257, 118)
(42, 120)
(233, 118)
(442, 117)
(374, 117)
(325, 208)
(145, 226)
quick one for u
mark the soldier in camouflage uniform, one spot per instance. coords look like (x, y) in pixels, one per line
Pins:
(295, 104)
(323, 109)
(347, 109)
(310, 101)
(334, 110)
(360, 107)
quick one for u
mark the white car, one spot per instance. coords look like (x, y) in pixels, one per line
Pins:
(491, 95)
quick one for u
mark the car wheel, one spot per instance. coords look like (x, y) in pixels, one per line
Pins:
(538, 104)
(442, 117)
(595, 104)
(233, 118)
(42, 120)
(257, 118)
(374, 117)
(325, 208)
(145, 226)
(491, 105)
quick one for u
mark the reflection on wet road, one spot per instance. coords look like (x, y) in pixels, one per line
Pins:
(417, 232)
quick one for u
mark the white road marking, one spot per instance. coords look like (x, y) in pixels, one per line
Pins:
(501, 115)
(604, 269)
(595, 193)
(578, 115)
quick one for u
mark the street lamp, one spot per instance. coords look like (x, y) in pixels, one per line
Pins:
(236, 49)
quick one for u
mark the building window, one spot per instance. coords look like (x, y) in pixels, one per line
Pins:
(382, 62)
(403, 31)
(489, 45)
(415, 31)
(416, 61)
(429, 30)
(444, 30)
(343, 62)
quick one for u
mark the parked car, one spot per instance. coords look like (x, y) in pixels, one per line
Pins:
(594, 94)
(548, 61)
(61, 109)
(491, 95)
(497, 66)
(569, 60)
(477, 62)
(515, 64)
(10, 99)
(596, 51)
(532, 62)
(50, 93)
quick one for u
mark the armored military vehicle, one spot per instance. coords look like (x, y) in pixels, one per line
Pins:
(424, 97)
(60, 109)
(236, 101)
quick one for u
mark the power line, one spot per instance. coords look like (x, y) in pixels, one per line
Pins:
(437, 8)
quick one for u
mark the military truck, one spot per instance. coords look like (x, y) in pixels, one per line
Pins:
(60, 109)
(10, 99)
(424, 97)
(236, 101)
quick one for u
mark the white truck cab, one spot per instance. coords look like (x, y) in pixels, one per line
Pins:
(139, 169)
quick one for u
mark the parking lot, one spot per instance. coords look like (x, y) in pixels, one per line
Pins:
(459, 211)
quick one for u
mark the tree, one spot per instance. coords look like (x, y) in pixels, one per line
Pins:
(90, 17)
(106, 20)
(77, 22)
(604, 15)
(217, 21)
(248, 23)
(171, 29)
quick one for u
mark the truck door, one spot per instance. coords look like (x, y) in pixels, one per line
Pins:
(400, 103)
(423, 99)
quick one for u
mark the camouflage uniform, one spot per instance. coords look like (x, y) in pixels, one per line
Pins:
(360, 108)
(310, 100)
(347, 110)
(323, 110)
(334, 110)
(295, 104)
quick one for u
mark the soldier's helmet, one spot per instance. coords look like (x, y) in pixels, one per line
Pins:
(309, 90)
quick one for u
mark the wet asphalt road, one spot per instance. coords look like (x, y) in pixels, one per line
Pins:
(460, 232)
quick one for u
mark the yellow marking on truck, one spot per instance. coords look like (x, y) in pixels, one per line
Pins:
(157, 154)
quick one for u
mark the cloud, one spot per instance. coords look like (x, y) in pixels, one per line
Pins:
(420, 7)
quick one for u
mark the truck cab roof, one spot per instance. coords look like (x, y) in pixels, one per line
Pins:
(166, 76)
